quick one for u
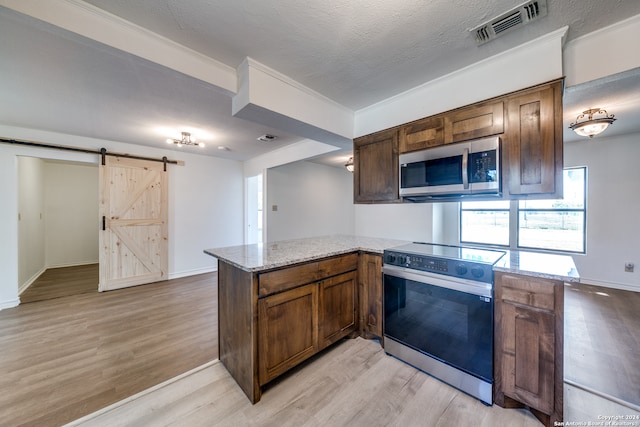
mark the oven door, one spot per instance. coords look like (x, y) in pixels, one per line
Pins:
(448, 320)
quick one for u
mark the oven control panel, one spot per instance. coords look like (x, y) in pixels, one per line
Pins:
(449, 267)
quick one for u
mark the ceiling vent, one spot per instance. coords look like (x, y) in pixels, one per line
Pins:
(514, 18)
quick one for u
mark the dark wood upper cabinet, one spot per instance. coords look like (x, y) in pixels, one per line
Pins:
(422, 134)
(532, 145)
(375, 158)
(528, 121)
(475, 121)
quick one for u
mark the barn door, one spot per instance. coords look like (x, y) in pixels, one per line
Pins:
(133, 210)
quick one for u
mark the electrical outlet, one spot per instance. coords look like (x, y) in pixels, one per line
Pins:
(628, 267)
(274, 208)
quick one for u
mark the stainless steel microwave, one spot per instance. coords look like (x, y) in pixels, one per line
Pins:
(461, 169)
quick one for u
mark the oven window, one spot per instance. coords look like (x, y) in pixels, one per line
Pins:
(452, 326)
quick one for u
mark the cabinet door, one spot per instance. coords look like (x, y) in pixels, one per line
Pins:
(370, 277)
(338, 296)
(422, 134)
(375, 159)
(288, 330)
(533, 143)
(474, 122)
(528, 356)
(528, 353)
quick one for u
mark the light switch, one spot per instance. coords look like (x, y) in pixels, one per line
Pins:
(274, 208)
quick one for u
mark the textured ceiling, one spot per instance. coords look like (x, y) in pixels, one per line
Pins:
(354, 52)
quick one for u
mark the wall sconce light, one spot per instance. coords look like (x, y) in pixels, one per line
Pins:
(186, 140)
(349, 164)
(592, 126)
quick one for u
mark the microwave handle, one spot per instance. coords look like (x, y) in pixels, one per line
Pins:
(465, 169)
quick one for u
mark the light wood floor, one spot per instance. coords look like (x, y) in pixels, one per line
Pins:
(63, 358)
(62, 282)
(352, 384)
(602, 340)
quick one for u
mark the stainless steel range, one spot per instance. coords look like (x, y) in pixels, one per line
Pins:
(438, 312)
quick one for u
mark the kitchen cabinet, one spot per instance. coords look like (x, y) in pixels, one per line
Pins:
(338, 308)
(370, 283)
(288, 330)
(529, 123)
(375, 159)
(421, 134)
(474, 121)
(270, 321)
(532, 144)
(528, 356)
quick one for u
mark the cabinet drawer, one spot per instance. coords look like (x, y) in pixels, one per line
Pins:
(533, 292)
(290, 277)
(474, 122)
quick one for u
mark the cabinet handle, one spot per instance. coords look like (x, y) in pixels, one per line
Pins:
(104, 223)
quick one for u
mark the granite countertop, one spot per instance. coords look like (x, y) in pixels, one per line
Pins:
(265, 256)
(548, 266)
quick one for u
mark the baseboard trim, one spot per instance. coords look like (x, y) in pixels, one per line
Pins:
(136, 396)
(621, 286)
(29, 282)
(73, 264)
(9, 303)
(178, 275)
(602, 395)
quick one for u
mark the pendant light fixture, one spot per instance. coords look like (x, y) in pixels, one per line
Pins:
(594, 121)
(349, 164)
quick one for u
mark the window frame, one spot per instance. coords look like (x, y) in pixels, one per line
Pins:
(514, 222)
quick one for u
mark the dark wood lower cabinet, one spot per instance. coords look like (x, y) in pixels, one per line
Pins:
(271, 321)
(528, 368)
(288, 330)
(370, 278)
(337, 308)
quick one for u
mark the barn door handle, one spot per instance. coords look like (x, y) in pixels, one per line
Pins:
(104, 223)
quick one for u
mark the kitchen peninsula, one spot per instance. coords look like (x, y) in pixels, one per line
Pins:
(282, 302)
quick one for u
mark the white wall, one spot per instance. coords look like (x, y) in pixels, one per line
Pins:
(31, 220)
(205, 202)
(404, 221)
(71, 213)
(312, 200)
(613, 203)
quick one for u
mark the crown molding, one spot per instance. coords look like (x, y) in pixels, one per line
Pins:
(96, 24)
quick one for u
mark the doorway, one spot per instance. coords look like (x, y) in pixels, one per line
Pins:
(254, 215)
(57, 228)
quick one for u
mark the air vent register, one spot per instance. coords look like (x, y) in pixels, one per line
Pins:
(514, 18)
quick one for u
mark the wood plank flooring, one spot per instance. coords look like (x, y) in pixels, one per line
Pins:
(64, 358)
(352, 384)
(62, 282)
(602, 340)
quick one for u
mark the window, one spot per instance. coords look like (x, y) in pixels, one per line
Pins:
(485, 222)
(558, 225)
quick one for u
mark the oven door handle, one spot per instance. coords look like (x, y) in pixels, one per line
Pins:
(457, 284)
